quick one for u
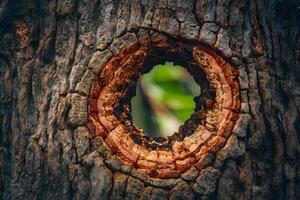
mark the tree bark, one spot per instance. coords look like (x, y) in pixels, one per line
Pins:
(51, 54)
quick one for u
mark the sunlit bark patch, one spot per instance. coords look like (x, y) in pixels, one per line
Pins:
(204, 134)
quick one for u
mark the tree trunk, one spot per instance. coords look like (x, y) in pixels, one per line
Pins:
(53, 52)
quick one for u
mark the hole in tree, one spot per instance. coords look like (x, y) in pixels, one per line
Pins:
(164, 100)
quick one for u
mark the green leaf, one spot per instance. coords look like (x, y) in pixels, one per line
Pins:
(168, 92)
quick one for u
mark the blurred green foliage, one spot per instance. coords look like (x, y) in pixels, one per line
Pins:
(164, 99)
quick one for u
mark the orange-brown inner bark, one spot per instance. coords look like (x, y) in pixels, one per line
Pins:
(205, 133)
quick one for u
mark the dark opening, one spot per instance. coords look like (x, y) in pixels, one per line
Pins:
(164, 99)
(130, 83)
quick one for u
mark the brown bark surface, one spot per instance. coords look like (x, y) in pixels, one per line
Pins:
(54, 53)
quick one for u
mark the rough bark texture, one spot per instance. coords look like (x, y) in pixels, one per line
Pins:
(51, 53)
